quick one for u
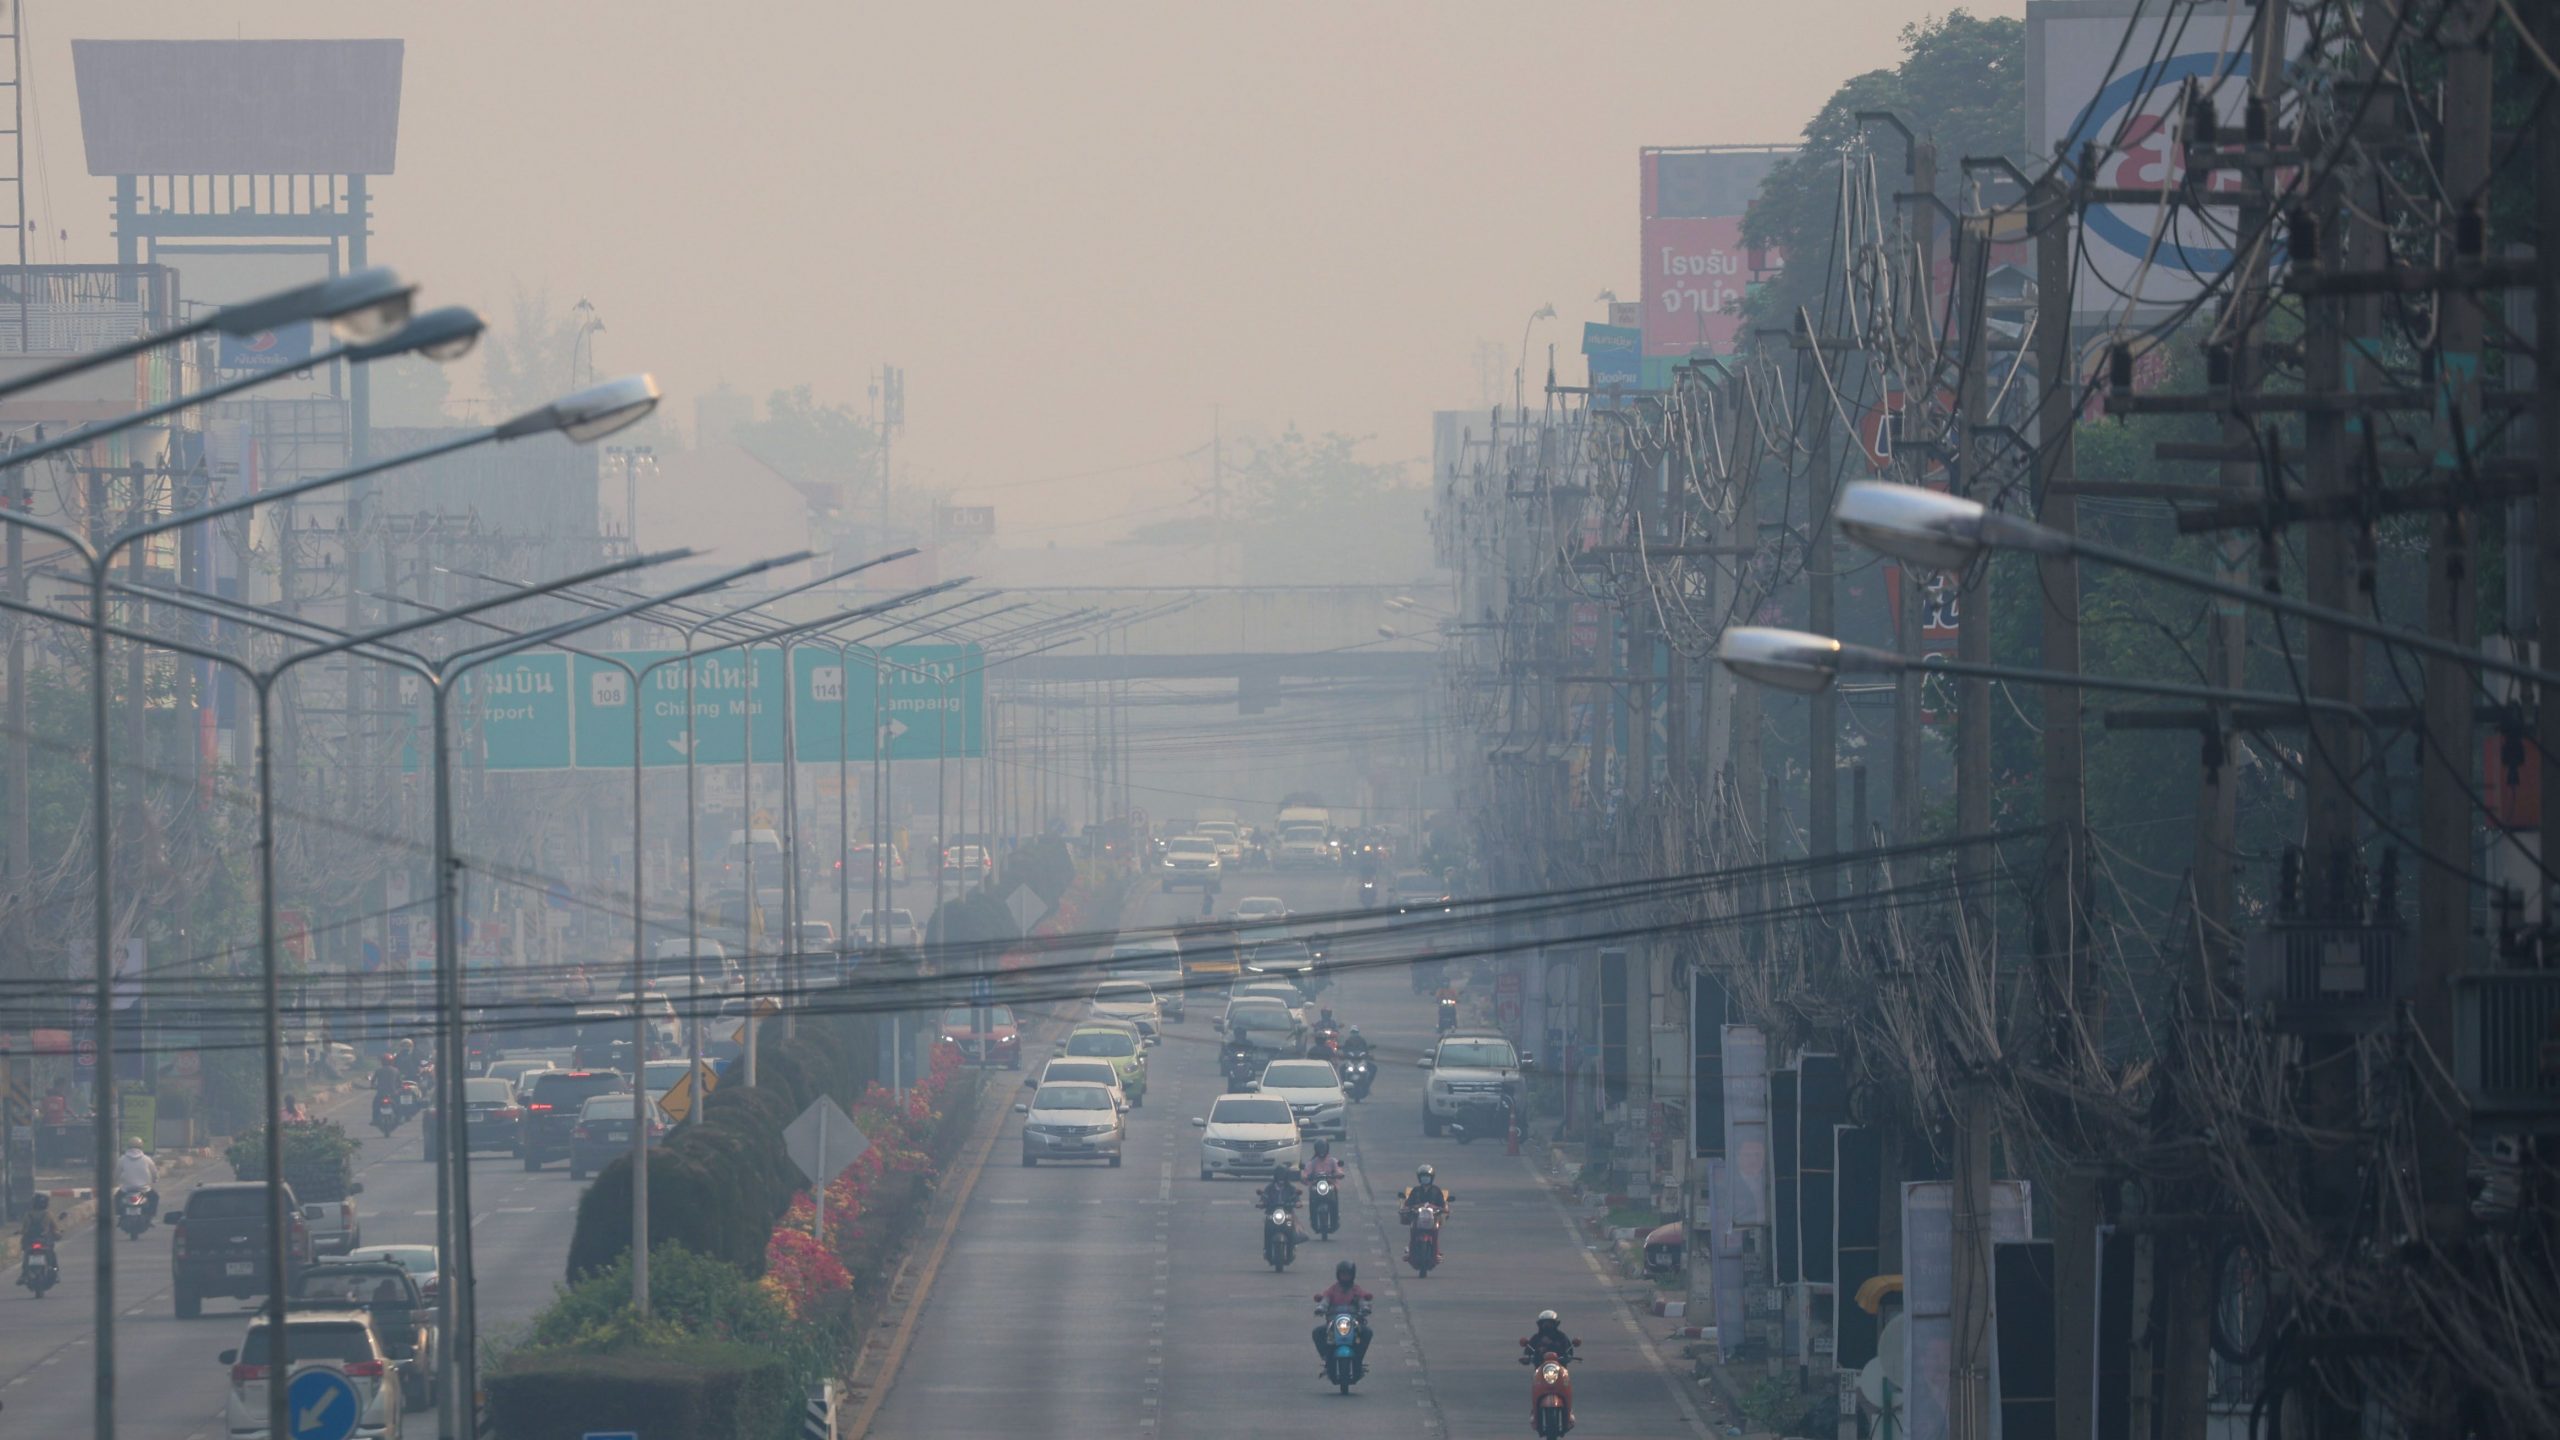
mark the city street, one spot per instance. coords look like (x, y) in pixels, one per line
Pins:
(1086, 1300)
(170, 1385)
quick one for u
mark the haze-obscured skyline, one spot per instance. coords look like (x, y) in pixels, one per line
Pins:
(1080, 228)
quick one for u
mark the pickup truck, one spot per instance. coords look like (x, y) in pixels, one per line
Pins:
(319, 1167)
(220, 1244)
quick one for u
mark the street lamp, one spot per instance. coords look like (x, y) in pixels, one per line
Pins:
(326, 642)
(439, 332)
(1947, 532)
(357, 307)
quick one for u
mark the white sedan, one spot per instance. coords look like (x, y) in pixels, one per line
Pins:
(1248, 1135)
(1131, 1000)
(1313, 1093)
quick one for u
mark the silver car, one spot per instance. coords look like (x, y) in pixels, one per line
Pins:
(1072, 1122)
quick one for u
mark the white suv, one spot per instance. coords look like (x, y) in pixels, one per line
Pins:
(339, 1340)
(1467, 1066)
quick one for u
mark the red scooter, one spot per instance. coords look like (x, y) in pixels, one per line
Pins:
(1550, 1393)
(1422, 1241)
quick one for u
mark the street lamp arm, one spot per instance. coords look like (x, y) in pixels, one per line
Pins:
(290, 627)
(461, 660)
(489, 602)
(294, 491)
(376, 293)
(909, 623)
(74, 439)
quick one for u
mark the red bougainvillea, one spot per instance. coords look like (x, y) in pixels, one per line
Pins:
(802, 1271)
(899, 1128)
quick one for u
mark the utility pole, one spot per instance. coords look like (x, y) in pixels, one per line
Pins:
(1969, 1388)
(2546, 435)
(2445, 791)
(2077, 1211)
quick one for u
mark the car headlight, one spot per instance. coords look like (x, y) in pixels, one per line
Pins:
(1439, 1085)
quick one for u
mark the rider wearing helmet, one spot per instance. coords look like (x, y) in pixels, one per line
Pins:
(1354, 1043)
(1427, 1191)
(1326, 1165)
(39, 1225)
(1550, 1339)
(1345, 1294)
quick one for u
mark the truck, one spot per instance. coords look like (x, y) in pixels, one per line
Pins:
(1306, 839)
(319, 1168)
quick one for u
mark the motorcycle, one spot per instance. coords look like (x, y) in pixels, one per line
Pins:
(1358, 1074)
(412, 1099)
(134, 1210)
(1342, 1345)
(1324, 1208)
(1422, 1239)
(386, 1113)
(1279, 1237)
(1486, 1115)
(39, 1270)
(1368, 894)
(1240, 1069)
(1448, 1009)
(1550, 1393)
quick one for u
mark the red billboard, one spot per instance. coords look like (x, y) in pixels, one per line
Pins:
(1694, 266)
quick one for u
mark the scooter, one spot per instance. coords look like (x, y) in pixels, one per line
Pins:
(1279, 1237)
(412, 1099)
(134, 1210)
(1342, 1345)
(39, 1270)
(1422, 1239)
(1358, 1074)
(1550, 1393)
(1448, 1009)
(1368, 894)
(1239, 1069)
(1324, 1208)
(386, 1113)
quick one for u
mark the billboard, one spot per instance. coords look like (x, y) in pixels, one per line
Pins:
(1614, 352)
(2104, 72)
(1694, 265)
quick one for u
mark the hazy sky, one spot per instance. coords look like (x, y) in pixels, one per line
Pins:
(1079, 226)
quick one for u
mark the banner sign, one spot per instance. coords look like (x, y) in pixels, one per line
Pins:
(1693, 262)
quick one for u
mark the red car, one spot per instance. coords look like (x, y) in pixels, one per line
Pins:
(983, 1034)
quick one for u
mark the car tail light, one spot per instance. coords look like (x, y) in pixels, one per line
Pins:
(580, 1133)
(507, 1112)
(178, 1241)
(243, 1374)
(537, 1107)
(347, 1215)
(364, 1369)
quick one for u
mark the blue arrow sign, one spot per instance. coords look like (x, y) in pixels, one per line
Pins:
(322, 1405)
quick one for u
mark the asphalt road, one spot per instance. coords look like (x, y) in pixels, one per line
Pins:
(169, 1385)
(1081, 1300)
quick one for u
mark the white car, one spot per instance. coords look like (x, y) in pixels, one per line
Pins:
(898, 929)
(1157, 964)
(342, 1341)
(1130, 1000)
(1314, 1093)
(1072, 1122)
(1082, 1072)
(1248, 1135)
(660, 1010)
(1228, 839)
(1192, 860)
(1260, 910)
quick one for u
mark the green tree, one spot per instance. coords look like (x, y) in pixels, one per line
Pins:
(536, 357)
(1961, 83)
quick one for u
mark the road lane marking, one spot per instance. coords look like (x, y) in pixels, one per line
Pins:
(1626, 1314)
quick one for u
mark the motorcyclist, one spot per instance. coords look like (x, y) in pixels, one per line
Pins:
(1354, 1044)
(1550, 1339)
(1345, 1294)
(1320, 1046)
(386, 1079)
(37, 1229)
(135, 1170)
(1326, 1165)
(408, 1060)
(1280, 1192)
(1426, 1190)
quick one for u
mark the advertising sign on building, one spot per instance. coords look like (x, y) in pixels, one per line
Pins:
(1695, 268)
(2090, 81)
(1616, 355)
(285, 349)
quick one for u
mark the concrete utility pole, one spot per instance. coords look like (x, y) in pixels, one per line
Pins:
(1969, 1388)
(2063, 883)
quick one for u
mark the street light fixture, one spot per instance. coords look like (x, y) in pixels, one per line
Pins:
(361, 306)
(1808, 664)
(1947, 532)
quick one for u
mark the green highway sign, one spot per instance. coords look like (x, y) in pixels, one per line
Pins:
(549, 711)
(516, 711)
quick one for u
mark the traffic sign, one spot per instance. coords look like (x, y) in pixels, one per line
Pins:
(982, 989)
(322, 1404)
(823, 1141)
(552, 711)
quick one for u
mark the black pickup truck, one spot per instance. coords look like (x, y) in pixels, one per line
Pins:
(220, 1247)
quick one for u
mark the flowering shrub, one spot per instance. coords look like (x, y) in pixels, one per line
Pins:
(900, 1128)
(802, 1273)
